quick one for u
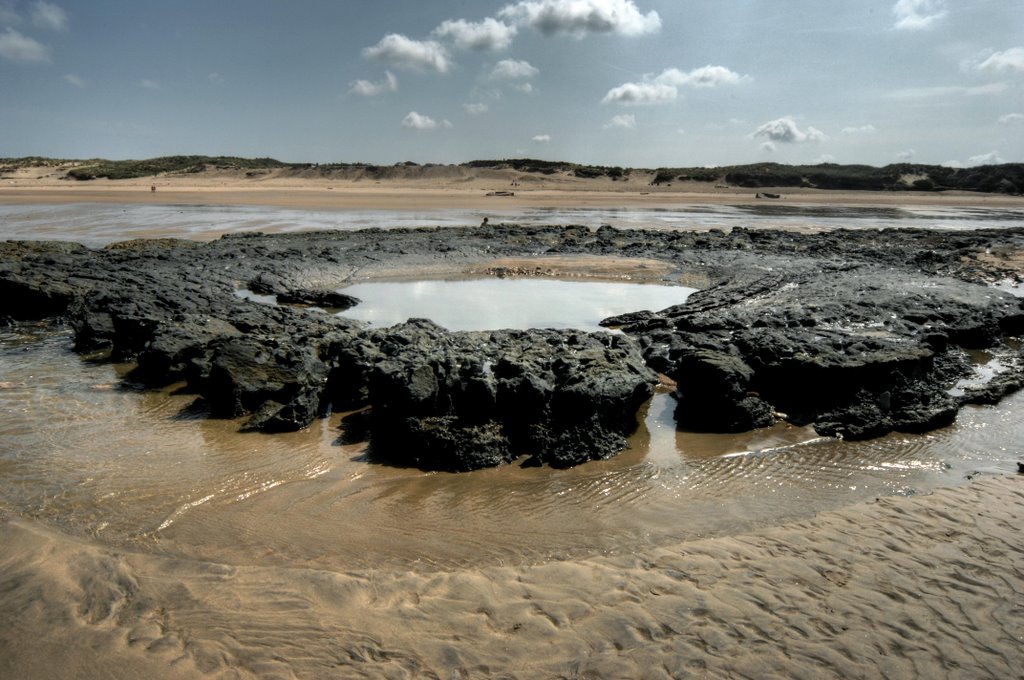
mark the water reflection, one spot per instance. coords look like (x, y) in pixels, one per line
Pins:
(491, 304)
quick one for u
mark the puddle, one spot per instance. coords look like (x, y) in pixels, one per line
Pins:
(492, 304)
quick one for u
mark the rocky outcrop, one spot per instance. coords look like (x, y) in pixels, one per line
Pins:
(459, 401)
(856, 332)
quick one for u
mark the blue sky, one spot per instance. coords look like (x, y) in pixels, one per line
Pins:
(643, 83)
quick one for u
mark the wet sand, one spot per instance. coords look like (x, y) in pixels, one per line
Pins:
(927, 586)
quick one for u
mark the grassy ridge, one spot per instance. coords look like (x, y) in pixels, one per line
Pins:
(1007, 178)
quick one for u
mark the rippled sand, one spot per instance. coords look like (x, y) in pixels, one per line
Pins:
(906, 587)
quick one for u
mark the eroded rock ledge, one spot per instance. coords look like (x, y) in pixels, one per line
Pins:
(856, 332)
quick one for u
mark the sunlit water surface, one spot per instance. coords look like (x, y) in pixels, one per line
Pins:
(100, 223)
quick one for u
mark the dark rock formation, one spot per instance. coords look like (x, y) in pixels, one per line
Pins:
(458, 401)
(857, 332)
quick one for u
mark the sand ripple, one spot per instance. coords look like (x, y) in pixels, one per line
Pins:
(929, 586)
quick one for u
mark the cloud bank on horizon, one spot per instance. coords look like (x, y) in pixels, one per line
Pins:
(606, 81)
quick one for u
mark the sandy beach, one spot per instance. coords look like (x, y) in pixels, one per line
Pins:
(925, 587)
(929, 586)
(467, 190)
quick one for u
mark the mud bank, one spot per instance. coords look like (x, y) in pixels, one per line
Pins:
(856, 332)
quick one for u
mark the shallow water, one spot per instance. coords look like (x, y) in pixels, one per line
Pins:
(100, 223)
(86, 453)
(492, 304)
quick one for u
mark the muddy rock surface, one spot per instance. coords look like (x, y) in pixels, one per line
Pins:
(856, 332)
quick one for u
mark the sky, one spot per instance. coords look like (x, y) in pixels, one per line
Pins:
(639, 83)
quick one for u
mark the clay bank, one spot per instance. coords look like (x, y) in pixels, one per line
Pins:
(858, 333)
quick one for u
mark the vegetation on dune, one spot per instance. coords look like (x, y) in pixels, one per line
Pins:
(1006, 178)
(132, 169)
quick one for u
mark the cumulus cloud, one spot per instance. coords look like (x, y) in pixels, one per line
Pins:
(398, 51)
(542, 139)
(990, 158)
(72, 79)
(510, 69)
(1011, 61)
(784, 130)
(768, 147)
(50, 16)
(639, 94)
(906, 155)
(489, 34)
(580, 17)
(859, 130)
(17, 47)
(417, 121)
(917, 15)
(626, 120)
(705, 76)
(366, 88)
(476, 108)
(149, 84)
(665, 86)
(824, 158)
(1011, 118)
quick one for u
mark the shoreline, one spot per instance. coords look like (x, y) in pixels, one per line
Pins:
(469, 194)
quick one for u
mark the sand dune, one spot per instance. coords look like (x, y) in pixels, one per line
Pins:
(927, 586)
(462, 188)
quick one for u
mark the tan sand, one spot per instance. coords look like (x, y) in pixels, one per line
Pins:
(467, 190)
(922, 587)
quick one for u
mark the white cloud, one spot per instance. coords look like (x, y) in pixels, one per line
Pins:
(824, 158)
(72, 79)
(705, 76)
(665, 86)
(626, 120)
(510, 69)
(1011, 60)
(476, 108)
(1011, 118)
(768, 147)
(638, 94)
(17, 47)
(786, 131)
(48, 15)
(542, 139)
(859, 130)
(905, 156)
(916, 15)
(398, 51)
(417, 121)
(990, 158)
(367, 88)
(580, 17)
(149, 84)
(526, 88)
(489, 34)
